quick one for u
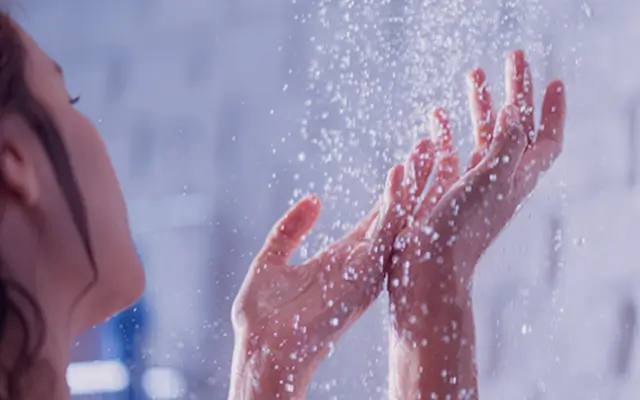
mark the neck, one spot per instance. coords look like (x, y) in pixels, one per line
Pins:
(51, 366)
(44, 377)
(41, 286)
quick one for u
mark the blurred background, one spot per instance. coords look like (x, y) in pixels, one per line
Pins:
(218, 113)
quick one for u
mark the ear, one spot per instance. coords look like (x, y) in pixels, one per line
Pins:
(18, 170)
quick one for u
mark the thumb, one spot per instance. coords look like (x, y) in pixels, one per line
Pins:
(287, 233)
(508, 145)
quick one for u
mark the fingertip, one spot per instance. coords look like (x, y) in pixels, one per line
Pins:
(302, 215)
(394, 204)
(423, 153)
(417, 158)
(313, 201)
(518, 55)
(396, 176)
(440, 115)
(435, 126)
(553, 112)
(447, 155)
(516, 58)
(287, 233)
(479, 74)
(558, 84)
(557, 89)
(476, 93)
(554, 102)
(515, 72)
(422, 146)
(509, 67)
(391, 177)
(475, 78)
(393, 191)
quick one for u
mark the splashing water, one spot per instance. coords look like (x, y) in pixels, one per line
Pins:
(380, 67)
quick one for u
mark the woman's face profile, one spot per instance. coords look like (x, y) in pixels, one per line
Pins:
(119, 277)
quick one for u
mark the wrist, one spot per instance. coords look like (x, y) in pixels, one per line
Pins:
(436, 355)
(417, 315)
(259, 373)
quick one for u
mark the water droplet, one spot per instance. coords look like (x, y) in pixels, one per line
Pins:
(580, 241)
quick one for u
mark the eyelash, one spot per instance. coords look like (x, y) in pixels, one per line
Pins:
(74, 100)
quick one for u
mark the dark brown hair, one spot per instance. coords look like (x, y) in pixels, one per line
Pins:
(17, 98)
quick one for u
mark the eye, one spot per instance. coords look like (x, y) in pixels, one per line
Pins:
(74, 100)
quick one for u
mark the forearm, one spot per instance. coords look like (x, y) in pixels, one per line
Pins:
(439, 362)
(255, 375)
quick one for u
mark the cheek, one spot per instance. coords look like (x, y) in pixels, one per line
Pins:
(121, 277)
(105, 207)
(94, 172)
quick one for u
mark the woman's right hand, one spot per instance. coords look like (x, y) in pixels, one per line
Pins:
(452, 224)
(286, 318)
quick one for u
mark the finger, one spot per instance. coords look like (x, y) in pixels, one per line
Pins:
(417, 169)
(364, 268)
(520, 90)
(358, 281)
(507, 148)
(392, 216)
(288, 232)
(548, 145)
(553, 118)
(447, 167)
(447, 170)
(340, 250)
(416, 173)
(345, 293)
(482, 114)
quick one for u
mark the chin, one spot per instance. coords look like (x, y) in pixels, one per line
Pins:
(130, 287)
(116, 289)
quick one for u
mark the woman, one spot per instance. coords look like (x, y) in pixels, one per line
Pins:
(286, 318)
(67, 260)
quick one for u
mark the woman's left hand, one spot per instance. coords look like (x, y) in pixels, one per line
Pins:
(286, 318)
